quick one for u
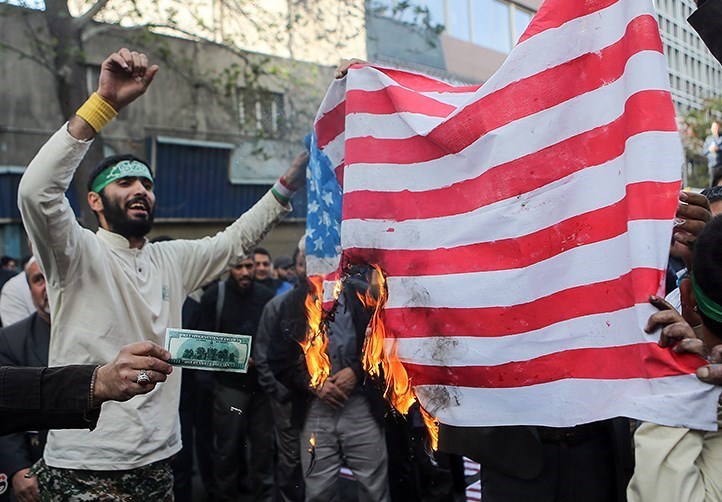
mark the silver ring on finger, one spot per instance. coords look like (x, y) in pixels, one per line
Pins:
(143, 377)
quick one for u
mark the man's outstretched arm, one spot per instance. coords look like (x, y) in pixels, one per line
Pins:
(46, 212)
(124, 77)
(69, 397)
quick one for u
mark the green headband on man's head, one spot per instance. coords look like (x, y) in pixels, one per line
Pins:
(706, 305)
(123, 169)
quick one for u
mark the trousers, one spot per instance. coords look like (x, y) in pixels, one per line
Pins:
(150, 482)
(348, 436)
(289, 475)
(233, 433)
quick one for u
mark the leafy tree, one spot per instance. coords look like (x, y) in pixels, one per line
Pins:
(297, 30)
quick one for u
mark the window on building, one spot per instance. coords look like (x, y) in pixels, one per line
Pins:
(436, 10)
(412, 11)
(522, 18)
(491, 24)
(261, 113)
(496, 24)
(458, 20)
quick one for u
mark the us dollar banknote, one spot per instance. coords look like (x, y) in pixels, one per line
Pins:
(205, 350)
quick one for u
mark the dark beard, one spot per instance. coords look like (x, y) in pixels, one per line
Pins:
(120, 223)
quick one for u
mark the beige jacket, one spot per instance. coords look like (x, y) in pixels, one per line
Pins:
(104, 295)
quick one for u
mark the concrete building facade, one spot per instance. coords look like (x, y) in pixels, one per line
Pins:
(694, 74)
(216, 135)
(478, 34)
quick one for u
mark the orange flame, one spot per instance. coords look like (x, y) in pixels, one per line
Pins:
(433, 427)
(314, 346)
(377, 356)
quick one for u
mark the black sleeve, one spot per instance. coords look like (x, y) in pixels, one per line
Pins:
(285, 355)
(207, 310)
(15, 453)
(267, 325)
(190, 313)
(287, 362)
(707, 20)
(6, 353)
(46, 398)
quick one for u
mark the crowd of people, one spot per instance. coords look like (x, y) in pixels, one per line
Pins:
(85, 319)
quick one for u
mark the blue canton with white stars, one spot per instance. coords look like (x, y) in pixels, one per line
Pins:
(323, 219)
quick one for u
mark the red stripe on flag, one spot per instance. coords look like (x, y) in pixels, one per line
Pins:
(528, 96)
(609, 296)
(331, 125)
(643, 360)
(422, 83)
(644, 201)
(643, 112)
(394, 99)
(555, 13)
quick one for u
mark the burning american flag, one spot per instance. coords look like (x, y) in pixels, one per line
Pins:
(521, 225)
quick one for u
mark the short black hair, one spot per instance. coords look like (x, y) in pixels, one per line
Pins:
(262, 251)
(111, 161)
(707, 266)
(5, 260)
(161, 238)
(713, 193)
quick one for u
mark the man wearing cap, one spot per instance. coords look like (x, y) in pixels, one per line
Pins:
(283, 265)
(112, 288)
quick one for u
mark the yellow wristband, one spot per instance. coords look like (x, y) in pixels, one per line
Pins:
(97, 112)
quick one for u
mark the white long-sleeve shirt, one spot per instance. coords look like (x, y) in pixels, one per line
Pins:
(104, 295)
(16, 303)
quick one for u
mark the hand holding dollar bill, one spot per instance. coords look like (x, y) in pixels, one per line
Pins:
(205, 350)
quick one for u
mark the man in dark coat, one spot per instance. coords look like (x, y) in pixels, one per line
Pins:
(707, 20)
(26, 343)
(235, 306)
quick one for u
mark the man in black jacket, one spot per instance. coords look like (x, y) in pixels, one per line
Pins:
(235, 306)
(69, 397)
(289, 476)
(344, 416)
(707, 20)
(26, 343)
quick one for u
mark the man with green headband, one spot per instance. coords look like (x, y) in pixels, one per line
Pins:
(112, 288)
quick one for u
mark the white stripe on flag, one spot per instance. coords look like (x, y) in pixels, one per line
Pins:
(566, 403)
(590, 264)
(335, 150)
(396, 126)
(613, 329)
(335, 95)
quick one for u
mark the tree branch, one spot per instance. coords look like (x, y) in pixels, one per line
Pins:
(93, 11)
(27, 55)
(197, 38)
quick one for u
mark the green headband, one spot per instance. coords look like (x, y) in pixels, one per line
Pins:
(706, 305)
(123, 169)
